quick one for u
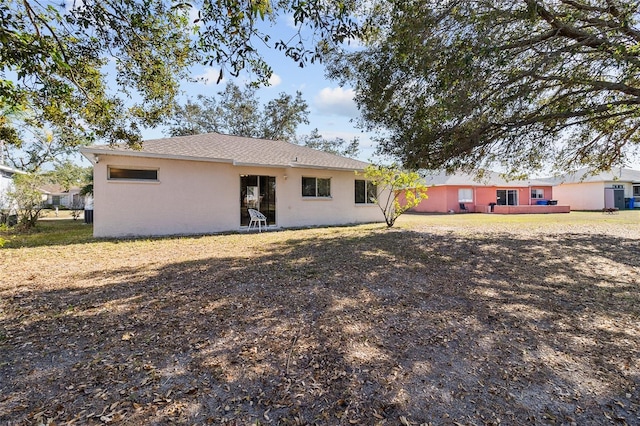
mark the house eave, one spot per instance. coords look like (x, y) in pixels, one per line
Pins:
(11, 170)
(310, 166)
(91, 153)
(273, 166)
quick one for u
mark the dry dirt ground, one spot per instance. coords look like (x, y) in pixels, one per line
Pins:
(428, 323)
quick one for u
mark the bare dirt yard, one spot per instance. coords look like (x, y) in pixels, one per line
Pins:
(444, 320)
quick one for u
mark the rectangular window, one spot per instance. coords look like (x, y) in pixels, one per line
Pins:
(117, 173)
(537, 193)
(636, 191)
(316, 187)
(365, 192)
(55, 200)
(465, 195)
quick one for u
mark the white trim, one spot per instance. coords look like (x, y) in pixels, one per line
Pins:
(11, 170)
(308, 166)
(97, 151)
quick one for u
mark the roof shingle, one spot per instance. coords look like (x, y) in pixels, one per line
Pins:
(238, 150)
(488, 179)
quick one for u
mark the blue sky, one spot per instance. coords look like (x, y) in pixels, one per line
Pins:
(332, 109)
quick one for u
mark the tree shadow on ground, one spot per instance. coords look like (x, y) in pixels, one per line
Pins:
(383, 326)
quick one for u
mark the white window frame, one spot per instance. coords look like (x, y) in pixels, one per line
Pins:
(537, 194)
(465, 195)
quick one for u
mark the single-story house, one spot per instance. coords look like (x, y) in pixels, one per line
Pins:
(6, 183)
(6, 179)
(206, 183)
(8, 207)
(462, 192)
(617, 188)
(57, 196)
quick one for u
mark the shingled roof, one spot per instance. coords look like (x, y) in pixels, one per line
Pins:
(466, 179)
(584, 175)
(241, 151)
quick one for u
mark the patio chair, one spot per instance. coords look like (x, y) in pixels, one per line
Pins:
(257, 219)
(463, 208)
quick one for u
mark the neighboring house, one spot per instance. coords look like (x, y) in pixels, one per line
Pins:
(464, 192)
(205, 183)
(57, 196)
(6, 183)
(6, 178)
(614, 189)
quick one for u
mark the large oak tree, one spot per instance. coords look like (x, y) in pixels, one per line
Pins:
(471, 83)
(54, 58)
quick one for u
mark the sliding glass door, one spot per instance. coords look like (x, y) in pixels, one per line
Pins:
(257, 192)
(507, 197)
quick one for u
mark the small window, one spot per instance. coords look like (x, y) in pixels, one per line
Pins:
(366, 192)
(116, 173)
(316, 187)
(465, 195)
(636, 191)
(55, 200)
(537, 194)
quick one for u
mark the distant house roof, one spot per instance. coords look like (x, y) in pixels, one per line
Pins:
(583, 175)
(56, 189)
(237, 150)
(488, 179)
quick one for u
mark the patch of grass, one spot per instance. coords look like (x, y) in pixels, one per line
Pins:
(480, 219)
(49, 233)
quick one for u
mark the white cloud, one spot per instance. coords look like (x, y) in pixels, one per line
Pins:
(330, 134)
(194, 14)
(291, 23)
(274, 80)
(209, 76)
(336, 101)
(74, 4)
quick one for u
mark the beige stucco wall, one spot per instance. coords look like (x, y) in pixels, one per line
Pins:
(580, 196)
(196, 197)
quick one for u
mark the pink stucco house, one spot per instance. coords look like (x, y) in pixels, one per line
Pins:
(206, 183)
(463, 192)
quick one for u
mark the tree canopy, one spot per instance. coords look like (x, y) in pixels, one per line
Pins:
(67, 175)
(338, 146)
(401, 190)
(237, 111)
(87, 70)
(473, 83)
